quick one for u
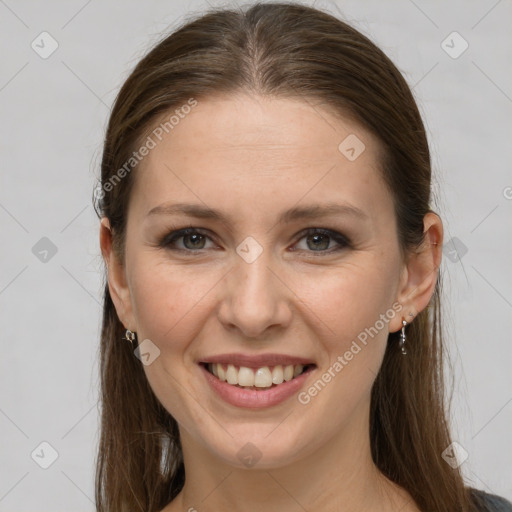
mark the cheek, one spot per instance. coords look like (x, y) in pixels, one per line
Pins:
(168, 306)
(354, 307)
(349, 300)
(165, 298)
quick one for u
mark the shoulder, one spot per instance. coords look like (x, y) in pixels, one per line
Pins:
(486, 502)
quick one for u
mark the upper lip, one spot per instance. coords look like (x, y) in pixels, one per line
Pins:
(256, 361)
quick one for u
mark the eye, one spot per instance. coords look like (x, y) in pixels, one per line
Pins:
(319, 240)
(192, 239)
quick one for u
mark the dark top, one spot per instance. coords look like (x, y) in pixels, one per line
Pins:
(491, 502)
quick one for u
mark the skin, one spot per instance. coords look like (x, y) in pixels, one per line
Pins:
(252, 158)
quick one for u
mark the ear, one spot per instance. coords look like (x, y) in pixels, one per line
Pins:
(117, 282)
(419, 275)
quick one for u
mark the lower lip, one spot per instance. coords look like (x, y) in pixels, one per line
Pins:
(251, 398)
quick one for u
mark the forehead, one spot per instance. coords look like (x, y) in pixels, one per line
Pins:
(256, 153)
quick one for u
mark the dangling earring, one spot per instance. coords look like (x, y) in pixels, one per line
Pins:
(402, 338)
(131, 337)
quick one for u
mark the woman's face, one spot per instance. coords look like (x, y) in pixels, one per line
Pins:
(300, 263)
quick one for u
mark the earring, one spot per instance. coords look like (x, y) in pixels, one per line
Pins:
(402, 338)
(131, 337)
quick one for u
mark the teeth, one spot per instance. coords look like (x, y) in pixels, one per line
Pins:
(297, 370)
(260, 378)
(277, 375)
(221, 374)
(245, 376)
(232, 375)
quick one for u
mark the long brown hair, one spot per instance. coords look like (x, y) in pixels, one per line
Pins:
(283, 50)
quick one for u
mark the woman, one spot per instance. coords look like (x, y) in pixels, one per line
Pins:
(271, 333)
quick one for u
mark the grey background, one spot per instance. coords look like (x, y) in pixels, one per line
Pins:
(53, 116)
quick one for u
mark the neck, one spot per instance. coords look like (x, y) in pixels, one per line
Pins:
(340, 475)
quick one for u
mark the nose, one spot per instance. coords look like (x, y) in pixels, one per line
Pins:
(256, 299)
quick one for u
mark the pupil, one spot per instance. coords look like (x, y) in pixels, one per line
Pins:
(195, 239)
(318, 238)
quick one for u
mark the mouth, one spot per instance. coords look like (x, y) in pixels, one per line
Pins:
(261, 378)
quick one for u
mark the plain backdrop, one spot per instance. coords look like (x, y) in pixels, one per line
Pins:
(53, 116)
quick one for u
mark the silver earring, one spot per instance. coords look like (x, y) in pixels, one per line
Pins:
(403, 338)
(131, 337)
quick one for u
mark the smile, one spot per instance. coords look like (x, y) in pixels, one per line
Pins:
(255, 381)
(256, 378)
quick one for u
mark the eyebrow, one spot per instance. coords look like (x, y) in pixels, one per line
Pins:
(313, 211)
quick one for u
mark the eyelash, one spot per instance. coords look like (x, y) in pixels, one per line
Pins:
(168, 240)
